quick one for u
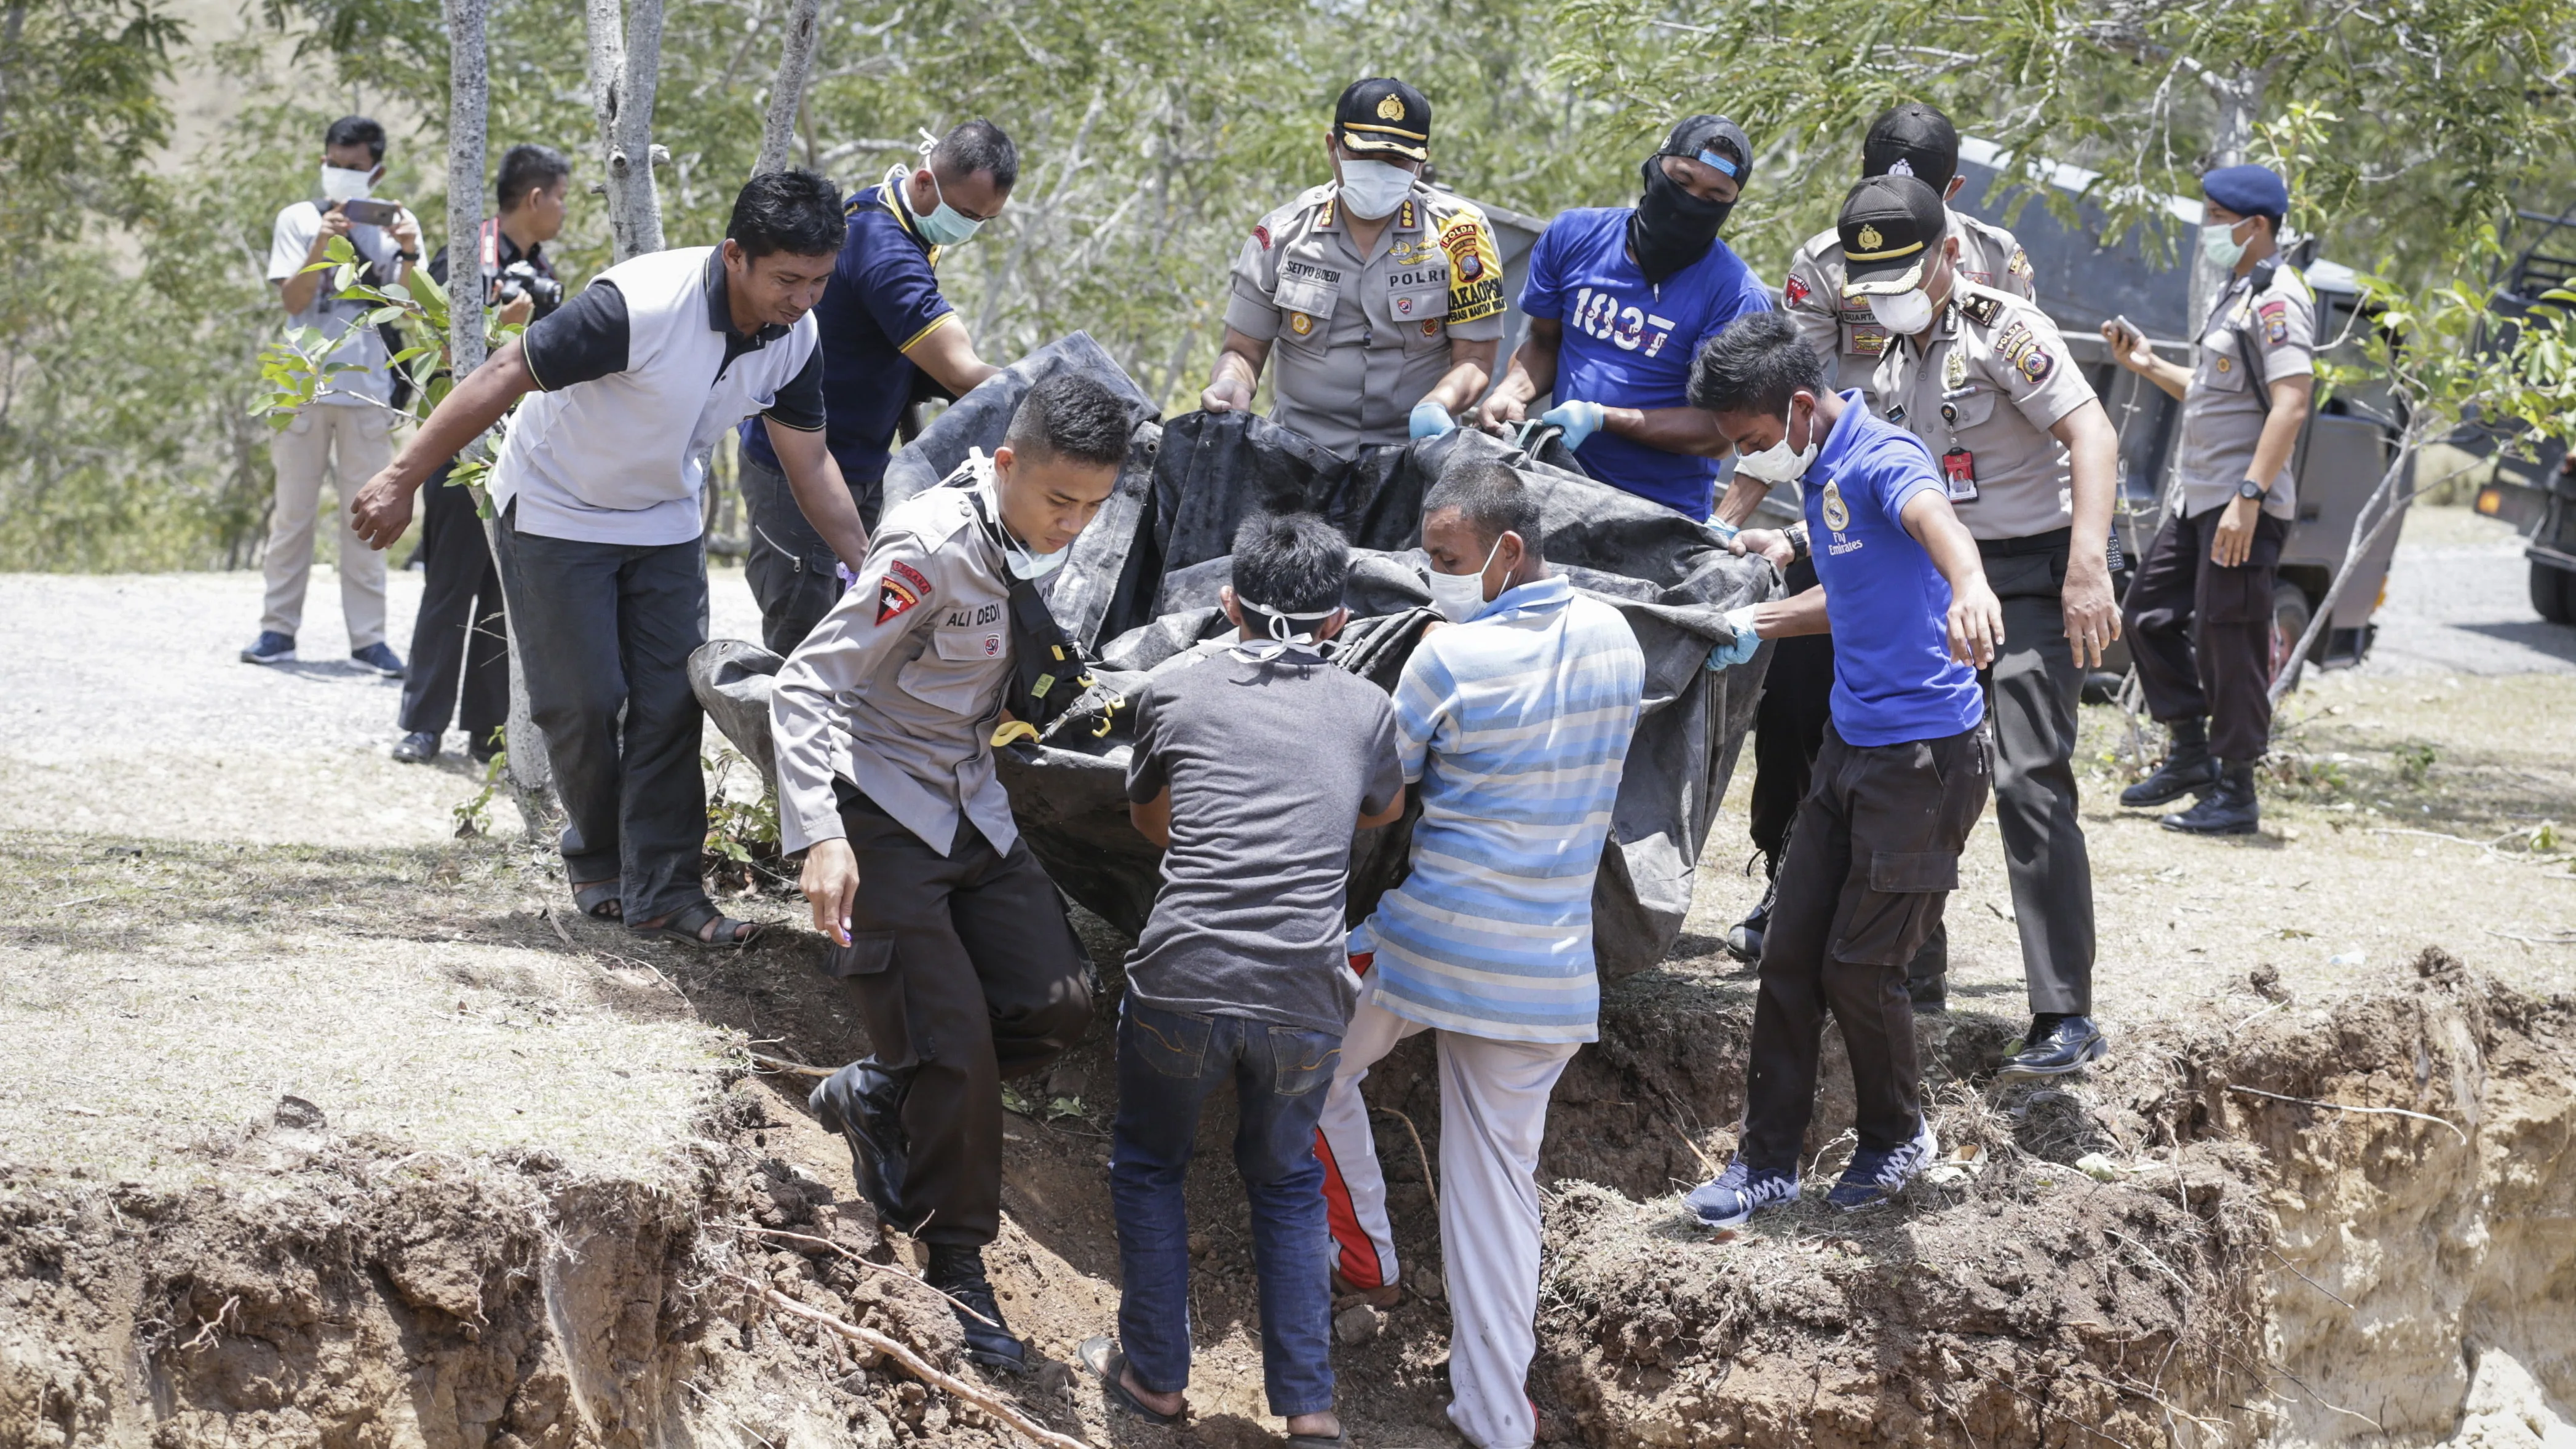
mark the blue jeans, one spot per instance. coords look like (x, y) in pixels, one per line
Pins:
(1168, 1063)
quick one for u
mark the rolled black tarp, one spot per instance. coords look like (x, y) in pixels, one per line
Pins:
(1140, 592)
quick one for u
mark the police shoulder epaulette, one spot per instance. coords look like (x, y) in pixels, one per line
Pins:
(1979, 305)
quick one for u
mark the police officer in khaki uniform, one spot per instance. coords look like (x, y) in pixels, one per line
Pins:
(1382, 298)
(1907, 140)
(2029, 459)
(2200, 611)
(957, 955)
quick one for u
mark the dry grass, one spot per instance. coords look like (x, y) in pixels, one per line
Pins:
(157, 999)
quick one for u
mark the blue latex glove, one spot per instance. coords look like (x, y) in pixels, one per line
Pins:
(1727, 656)
(1579, 419)
(1430, 420)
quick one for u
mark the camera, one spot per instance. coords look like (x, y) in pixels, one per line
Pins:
(366, 212)
(522, 279)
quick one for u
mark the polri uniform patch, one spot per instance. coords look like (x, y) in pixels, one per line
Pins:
(904, 588)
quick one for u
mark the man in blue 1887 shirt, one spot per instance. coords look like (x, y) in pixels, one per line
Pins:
(1619, 301)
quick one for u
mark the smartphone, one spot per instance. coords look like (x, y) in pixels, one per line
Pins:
(2122, 322)
(367, 212)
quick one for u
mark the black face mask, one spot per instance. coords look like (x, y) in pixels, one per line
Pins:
(1671, 228)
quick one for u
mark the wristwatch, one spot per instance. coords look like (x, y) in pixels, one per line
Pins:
(408, 256)
(2251, 489)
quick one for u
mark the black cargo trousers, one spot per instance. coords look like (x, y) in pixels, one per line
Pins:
(1872, 861)
(2202, 634)
(966, 973)
(2033, 690)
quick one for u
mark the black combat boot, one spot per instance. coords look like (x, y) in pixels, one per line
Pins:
(2186, 769)
(1744, 942)
(959, 1273)
(864, 1103)
(2230, 809)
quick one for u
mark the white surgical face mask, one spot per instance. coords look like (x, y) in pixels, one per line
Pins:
(1372, 189)
(1905, 313)
(1023, 562)
(1461, 597)
(339, 183)
(1779, 463)
(2218, 242)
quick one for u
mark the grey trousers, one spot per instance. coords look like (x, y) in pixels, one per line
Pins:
(2031, 695)
(605, 631)
(791, 568)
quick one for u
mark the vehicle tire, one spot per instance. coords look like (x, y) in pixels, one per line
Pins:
(2289, 621)
(2550, 595)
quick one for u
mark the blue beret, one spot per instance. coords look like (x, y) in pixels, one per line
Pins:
(2247, 190)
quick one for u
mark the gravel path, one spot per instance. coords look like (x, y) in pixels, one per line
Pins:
(2459, 602)
(124, 710)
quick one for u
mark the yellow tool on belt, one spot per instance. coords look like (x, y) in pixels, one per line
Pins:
(1012, 731)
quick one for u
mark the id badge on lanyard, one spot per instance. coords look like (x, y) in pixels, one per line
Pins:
(1959, 475)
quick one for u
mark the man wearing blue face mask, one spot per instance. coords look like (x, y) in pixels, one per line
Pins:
(889, 339)
(1619, 301)
(1382, 297)
(2200, 613)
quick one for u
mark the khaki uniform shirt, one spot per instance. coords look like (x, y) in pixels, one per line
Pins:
(2222, 418)
(1992, 378)
(1356, 341)
(1845, 333)
(898, 689)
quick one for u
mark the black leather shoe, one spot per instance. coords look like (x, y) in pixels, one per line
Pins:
(959, 1273)
(2062, 1046)
(417, 748)
(1744, 942)
(2230, 809)
(2186, 769)
(865, 1104)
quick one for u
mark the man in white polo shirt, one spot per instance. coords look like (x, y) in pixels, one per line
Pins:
(601, 554)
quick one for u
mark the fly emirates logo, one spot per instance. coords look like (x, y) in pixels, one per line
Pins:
(1629, 328)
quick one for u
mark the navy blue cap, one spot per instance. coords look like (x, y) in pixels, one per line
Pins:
(2248, 190)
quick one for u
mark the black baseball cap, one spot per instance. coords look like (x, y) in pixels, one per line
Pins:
(1912, 139)
(1383, 115)
(1712, 141)
(1889, 228)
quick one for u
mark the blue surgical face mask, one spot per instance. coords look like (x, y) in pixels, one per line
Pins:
(2218, 242)
(946, 226)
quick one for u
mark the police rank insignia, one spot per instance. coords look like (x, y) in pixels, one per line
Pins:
(1300, 323)
(903, 588)
(1869, 237)
(1954, 370)
(1391, 109)
(2021, 347)
(1837, 516)
(1982, 310)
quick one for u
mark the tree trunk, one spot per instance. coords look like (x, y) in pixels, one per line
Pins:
(795, 63)
(625, 65)
(468, 109)
(2379, 513)
(2240, 101)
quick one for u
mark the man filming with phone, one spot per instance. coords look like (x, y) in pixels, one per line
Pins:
(345, 434)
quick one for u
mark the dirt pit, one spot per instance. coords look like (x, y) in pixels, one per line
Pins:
(308, 1141)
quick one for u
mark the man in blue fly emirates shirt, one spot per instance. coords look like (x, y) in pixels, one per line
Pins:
(1619, 300)
(888, 339)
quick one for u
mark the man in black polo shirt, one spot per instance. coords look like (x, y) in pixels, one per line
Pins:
(888, 339)
(599, 537)
(460, 643)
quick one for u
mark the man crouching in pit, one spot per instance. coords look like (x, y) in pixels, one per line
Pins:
(958, 956)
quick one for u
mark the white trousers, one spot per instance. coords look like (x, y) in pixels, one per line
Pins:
(348, 445)
(1493, 1111)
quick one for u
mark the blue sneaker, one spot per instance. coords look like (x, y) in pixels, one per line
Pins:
(272, 648)
(1875, 1176)
(1740, 1192)
(380, 658)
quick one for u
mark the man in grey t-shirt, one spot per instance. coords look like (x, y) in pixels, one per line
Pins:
(1249, 768)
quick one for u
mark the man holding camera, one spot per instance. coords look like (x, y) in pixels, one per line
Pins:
(346, 432)
(460, 643)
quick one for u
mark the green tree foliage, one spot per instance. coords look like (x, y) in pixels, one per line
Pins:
(2442, 112)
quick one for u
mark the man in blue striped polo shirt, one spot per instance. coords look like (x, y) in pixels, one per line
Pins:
(1514, 725)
